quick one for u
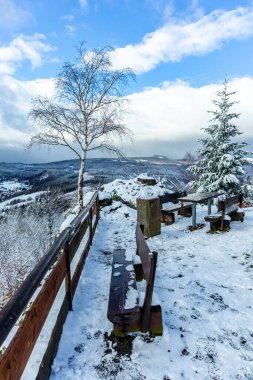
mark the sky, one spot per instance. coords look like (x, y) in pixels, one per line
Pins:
(181, 52)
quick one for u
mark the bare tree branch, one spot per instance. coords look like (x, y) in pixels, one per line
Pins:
(87, 111)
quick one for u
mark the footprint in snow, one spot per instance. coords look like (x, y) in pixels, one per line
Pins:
(206, 351)
(217, 303)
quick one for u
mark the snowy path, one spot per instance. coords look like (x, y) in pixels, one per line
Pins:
(205, 284)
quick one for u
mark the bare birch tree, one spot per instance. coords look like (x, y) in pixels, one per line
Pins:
(87, 110)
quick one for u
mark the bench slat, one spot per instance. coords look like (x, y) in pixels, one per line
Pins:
(120, 279)
(212, 218)
(177, 207)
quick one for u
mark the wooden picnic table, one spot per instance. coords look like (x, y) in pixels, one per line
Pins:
(199, 198)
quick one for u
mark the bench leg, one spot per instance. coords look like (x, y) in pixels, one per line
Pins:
(194, 215)
(117, 332)
(215, 225)
(156, 324)
(139, 274)
(187, 212)
(168, 218)
(237, 216)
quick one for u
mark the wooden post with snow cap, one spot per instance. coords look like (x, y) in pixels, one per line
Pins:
(149, 215)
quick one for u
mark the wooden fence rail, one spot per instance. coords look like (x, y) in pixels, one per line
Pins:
(46, 279)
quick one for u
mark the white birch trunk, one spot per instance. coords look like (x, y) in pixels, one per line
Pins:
(81, 181)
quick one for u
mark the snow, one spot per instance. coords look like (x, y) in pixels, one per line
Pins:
(129, 255)
(23, 199)
(205, 286)
(74, 212)
(137, 259)
(130, 190)
(249, 160)
(6, 186)
(103, 195)
(118, 265)
(132, 298)
(67, 222)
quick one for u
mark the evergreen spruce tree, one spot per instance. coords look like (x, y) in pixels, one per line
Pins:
(221, 157)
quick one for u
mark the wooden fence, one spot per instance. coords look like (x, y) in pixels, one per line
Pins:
(35, 297)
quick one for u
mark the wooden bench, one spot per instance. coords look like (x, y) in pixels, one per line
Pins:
(126, 310)
(168, 214)
(228, 211)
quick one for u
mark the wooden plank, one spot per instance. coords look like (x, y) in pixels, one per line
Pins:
(90, 226)
(143, 251)
(68, 280)
(145, 324)
(199, 197)
(52, 347)
(177, 207)
(122, 280)
(14, 359)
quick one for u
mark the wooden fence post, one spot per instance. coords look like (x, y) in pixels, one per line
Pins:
(97, 208)
(68, 284)
(90, 225)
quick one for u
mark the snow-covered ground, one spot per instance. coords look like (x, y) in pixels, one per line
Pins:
(205, 285)
(21, 199)
(7, 186)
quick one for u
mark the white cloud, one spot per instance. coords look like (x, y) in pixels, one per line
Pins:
(15, 103)
(68, 17)
(12, 15)
(83, 3)
(177, 39)
(165, 120)
(171, 116)
(31, 48)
